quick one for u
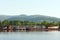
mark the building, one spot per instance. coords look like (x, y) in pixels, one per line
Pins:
(53, 27)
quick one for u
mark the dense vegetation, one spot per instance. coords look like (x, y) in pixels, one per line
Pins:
(18, 22)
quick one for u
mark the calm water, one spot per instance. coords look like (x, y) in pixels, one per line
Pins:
(30, 36)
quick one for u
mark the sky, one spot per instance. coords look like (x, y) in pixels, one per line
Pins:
(30, 7)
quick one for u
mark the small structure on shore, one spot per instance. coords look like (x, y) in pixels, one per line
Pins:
(10, 28)
(15, 28)
(53, 27)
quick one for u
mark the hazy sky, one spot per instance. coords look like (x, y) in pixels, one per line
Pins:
(30, 7)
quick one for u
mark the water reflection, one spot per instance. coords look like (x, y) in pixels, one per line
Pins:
(30, 35)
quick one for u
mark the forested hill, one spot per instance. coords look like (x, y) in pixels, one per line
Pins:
(4, 17)
(34, 18)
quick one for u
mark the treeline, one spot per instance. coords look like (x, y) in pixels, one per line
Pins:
(18, 22)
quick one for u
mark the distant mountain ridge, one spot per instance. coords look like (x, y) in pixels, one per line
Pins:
(4, 17)
(33, 18)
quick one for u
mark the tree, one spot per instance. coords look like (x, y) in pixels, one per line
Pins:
(1, 28)
(59, 24)
(53, 23)
(5, 23)
(45, 23)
